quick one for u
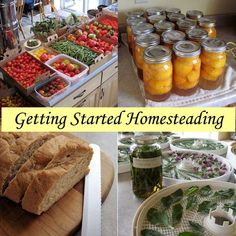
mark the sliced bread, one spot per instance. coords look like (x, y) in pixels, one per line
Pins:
(67, 168)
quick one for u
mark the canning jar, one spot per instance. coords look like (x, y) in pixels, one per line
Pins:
(208, 24)
(186, 66)
(157, 73)
(185, 25)
(135, 13)
(174, 17)
(197, 34)
(173, 10)
(156, 18)
(146, 165)
(164, 26)
(155, 11)
(140, 29)
(142, 42)
(170, 37)
(132, 21)
(213, 58)
(194, 14)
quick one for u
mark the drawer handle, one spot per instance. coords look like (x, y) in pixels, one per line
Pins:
(103, 93)
(80, 95)
(82, 103)
(116, 66)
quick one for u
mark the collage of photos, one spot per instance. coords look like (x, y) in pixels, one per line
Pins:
(112, 54)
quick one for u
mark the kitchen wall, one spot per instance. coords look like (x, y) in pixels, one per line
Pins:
(209, 7)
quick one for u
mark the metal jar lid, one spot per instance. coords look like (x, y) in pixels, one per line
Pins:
(134, 20)
(194, 14)
(174, 17)
(164, 25)
(214, 45)
(155, 11)
(148, 40)
(173, 36)
(173, 10)
(157, 54)
(197, 34)
(137, 13)
(206, 22)
(142, 28)
(184, 24)
(156, 18)
(186, 49)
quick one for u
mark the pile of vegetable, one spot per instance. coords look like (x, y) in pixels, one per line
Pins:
(13, 101)
(162, 139)
(42, 54)
(80, 53)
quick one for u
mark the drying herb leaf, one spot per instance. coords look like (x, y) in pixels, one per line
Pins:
(191, 201)
(189, 234)
(192, 190)
(206, 206)
(166, 202)
(172, 198)
(225, 194)
(196, 227)
(231, 205)
(205, 191)
(150, 232)
(177, 213)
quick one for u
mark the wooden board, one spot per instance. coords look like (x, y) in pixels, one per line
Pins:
(63, 218)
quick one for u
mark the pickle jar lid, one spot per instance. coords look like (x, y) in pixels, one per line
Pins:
(172, 36)
(142, 28)
(134, 20)
(157, 54)
(214, 45)
(194, 14)
(197, 34)
(155, 11)
(145, 139)
(173, 17)
(156, 18)
(148, 40)
(164, 25)
(173, 10)
(184, 24)
(206, 22)
(137, 13)
(186, 49)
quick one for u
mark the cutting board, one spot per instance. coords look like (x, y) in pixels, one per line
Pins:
(63, 218)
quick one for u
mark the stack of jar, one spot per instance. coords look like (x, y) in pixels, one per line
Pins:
(180, 65)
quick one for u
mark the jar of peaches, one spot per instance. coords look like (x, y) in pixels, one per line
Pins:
(130, 22)
(185, 25)
(197, 34)
(140, 29)
(142, 42)
(170, 37)
(194, 14)
(164, 26)
(187, 66)
(208, 25)
(157, 73)
(213, 58)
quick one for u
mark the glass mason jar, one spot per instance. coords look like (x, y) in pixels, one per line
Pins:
(194, 14)
(208, 25)
(135, 13)
(155, 11)
(173, 10)
(157, 73)
(197, 34)
(213, 58)
(174, 17)
(156, 18)
(132, 21)
(164, 26)
(146, 166)
(142, 42)
(170, 37)
(185, 25)
(140, 29)
(186, 65)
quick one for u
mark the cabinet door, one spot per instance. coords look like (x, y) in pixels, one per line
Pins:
(91, 100)
(109, 92)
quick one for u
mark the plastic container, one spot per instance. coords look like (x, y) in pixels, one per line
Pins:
(170, 37)
(75, 78)
(157, 73)
(187, 65)
(213, 59)
(197, 35)
(208, 25)
(164, 26)
(185, 25)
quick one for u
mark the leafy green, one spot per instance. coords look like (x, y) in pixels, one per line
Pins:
(205, 191)
(166, 202)
(225, 194)
(192, 190)
(172, 198)
(192, 201)
(196, 227)
(177, 213)
(189, 234)
(150, 232)
(206, 206)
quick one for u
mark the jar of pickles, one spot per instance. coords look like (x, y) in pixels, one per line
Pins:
(164, 26)
(208, 25)
(142, 42)
(213, 58)
(185, 25)
(186, 65)
(174, 17)
(157, 73)
(140, 29)
(173, 10)
(197, 35)
(146, 165)
(155, 11)
(156, 18)
(130, 22)
(194, 14)
(170, 37)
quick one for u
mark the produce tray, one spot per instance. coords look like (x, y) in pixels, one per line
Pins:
(42, 47)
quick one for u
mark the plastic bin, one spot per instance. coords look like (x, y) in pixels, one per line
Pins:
(75, 78)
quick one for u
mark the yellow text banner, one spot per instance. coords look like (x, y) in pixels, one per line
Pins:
(118, 119)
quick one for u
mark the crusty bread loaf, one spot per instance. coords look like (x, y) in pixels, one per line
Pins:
(66, 169)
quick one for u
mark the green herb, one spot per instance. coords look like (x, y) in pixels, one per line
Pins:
(206, 206)
(189, 234)
(196, 227)
(166, 202)
(127, 141)
(150, 232)
(177, 213)
(231, 205)
(192, 190)
(32, 43)
(192, 201)
(225, 194)
(205, 191)
(172, 198)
